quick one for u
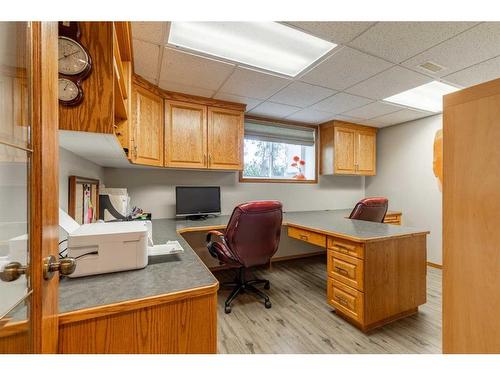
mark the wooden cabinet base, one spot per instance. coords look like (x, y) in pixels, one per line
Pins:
(186, 325)
(380, 323)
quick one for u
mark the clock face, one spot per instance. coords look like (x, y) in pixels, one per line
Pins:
(73, 59)
(68, 91)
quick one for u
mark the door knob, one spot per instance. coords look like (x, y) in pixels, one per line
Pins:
(65, 266)
(12, 271)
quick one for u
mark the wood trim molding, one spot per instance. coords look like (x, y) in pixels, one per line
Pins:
(349, 125)
(435, 265)
(129, 305)
(170, 95)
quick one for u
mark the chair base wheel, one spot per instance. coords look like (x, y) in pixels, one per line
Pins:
(267, 304)
(227, 309)
(267, 286)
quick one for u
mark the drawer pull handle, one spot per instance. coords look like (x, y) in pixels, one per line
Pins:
(303, 237)
(342, 301)
(343, 248)
(342, 271)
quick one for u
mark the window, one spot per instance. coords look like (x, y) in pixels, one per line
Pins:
(278, 152)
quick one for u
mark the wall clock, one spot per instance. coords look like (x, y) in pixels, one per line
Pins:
(75, 64)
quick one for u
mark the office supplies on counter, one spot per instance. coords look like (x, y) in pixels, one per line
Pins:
(171, 247)
(106, 247)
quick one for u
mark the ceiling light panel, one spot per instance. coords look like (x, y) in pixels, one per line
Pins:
(428, 97)
(265, 45)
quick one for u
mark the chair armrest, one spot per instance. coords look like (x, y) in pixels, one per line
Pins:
(210, 243)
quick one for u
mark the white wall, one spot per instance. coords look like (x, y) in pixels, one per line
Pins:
(405, 177)
(153, 190)
(73, 165)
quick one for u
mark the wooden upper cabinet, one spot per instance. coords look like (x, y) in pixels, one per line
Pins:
(347, 149)
(225, 139)
(185, 135)
(147, 110)
(365, 152)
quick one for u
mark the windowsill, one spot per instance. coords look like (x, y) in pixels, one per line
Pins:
(277, 180)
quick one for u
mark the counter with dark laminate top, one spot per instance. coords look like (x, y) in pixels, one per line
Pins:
(178, 272)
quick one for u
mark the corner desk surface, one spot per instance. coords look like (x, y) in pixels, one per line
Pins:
(183, 272)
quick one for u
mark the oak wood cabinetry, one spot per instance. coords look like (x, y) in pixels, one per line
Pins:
(225, 138)
(147, 128)
(393, 217)
(471, 205)
(357, 288)
(105, 107)
(347, 149)
(185, 134)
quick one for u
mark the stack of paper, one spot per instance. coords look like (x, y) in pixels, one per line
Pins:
(171, 247)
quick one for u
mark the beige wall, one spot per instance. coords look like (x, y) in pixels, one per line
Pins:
(153, 190)
(405, 176)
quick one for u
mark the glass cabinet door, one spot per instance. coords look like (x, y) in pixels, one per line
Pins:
(15, 155)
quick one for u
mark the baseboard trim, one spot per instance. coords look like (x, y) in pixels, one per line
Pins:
(435, 265)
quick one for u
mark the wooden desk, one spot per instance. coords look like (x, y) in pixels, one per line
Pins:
(374, 282)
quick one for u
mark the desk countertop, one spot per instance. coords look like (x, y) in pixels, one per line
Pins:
(180, 272)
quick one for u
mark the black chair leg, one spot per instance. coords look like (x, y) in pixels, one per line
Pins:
(241, 285)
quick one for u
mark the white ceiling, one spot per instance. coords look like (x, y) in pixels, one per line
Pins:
(373, 60)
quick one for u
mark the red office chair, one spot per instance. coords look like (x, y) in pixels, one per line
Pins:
(251, 239)
(370, 209)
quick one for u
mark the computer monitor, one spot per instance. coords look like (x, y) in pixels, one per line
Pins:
(197, 202)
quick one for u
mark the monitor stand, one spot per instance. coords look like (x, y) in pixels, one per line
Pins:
(197, 217)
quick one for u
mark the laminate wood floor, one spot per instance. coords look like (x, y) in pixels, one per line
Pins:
(301, 321)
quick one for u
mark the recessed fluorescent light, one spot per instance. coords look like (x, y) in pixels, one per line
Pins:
(266, 45)
(428, 97)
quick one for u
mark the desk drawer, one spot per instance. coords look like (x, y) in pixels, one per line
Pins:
(392, 219)
(351, 248)
(348, 270)
(307, 236)
(347, 300)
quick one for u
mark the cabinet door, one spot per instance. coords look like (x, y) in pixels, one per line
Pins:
(345, 151)
(225, 139)
(185, 135)
(365, 153)
(148, 127)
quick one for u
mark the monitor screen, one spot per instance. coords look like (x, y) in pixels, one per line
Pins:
(197, 200)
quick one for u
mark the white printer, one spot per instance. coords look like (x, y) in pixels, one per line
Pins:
(105, 247)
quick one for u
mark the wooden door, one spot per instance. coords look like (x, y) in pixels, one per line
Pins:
(29, 189)
(148, 127)
(185, 135)
(365, 153)
(471, 206)
(225, 139)
(345, 149)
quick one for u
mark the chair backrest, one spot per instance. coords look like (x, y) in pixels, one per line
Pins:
(253, 232)
(370, 209)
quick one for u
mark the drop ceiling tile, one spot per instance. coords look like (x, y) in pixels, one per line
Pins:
(469, 48)
(251, 103)
(191, 70)
(356, 120)
(152, 32)
(253, 84)
(372, 110)
(482, 72)
(337, 32)
(301, 94)
(340, 102)
(400, 116)
(345, 68)
(146, 59)
(310, 116)
(388, 83)
(273, 110)
(398, 41)
(185, 89)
